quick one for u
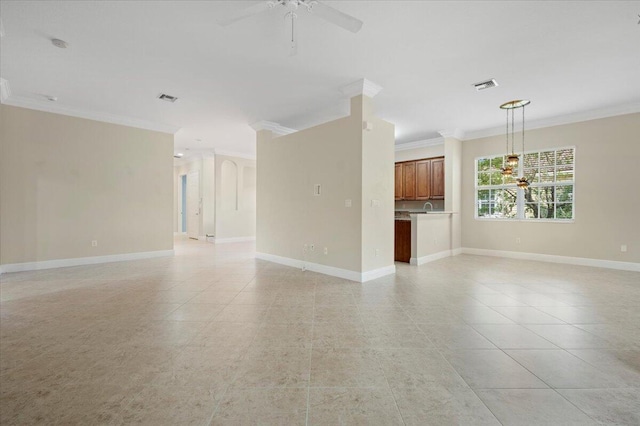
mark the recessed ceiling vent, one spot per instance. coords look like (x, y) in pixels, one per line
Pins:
(168, 98)
(486, 84)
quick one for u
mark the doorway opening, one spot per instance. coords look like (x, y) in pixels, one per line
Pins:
(183, 204)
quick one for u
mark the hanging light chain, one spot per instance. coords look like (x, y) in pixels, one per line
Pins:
(507, 132)
(523, 106)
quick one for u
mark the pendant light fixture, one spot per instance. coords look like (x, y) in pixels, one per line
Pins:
(507, 170)
(513, 159)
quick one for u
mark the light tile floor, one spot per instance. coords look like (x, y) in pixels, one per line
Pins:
(214, 336)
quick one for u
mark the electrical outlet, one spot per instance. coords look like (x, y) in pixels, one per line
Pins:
(326, 250)
(377, 252)
(623, 248)
(94, 243)
(518, 240)
(312, 247)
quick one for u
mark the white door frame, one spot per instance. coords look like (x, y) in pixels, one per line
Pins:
(193, 204)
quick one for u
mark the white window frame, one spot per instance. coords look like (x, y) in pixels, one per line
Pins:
(520, 201)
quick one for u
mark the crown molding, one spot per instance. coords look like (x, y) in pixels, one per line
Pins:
(560, 120)
(47, 106)
(244, 155)
(419, 144)
(454, 133)
(273, 127)
(5, 91)
(361, 87)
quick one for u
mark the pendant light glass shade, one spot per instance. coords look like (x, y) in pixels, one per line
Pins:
(523, 182)
(507, 171)
(512, 159)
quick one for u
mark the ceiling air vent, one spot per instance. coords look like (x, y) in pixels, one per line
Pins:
(486, 84)
(168, 98)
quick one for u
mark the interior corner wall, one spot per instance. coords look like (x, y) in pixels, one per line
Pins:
(66, 181)
(606, 200)
(352, 217)
(208, 194)
(290, 215)
(453, 188)
(378, 186)
(235, 197)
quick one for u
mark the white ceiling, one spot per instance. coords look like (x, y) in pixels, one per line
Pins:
(567, 57)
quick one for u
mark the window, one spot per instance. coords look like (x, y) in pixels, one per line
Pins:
(551, 175)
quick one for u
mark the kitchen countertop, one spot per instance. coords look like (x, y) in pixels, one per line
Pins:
(411, 210)
(409, 213)
(420, 211)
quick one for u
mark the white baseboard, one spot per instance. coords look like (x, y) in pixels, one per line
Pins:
(377, 273)
(582, 261)
(233, 240)
(329, 270)
(435, 256)
(62, 263)
(430, 258)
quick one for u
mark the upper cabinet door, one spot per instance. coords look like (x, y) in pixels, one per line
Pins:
(423, 179)
(409, 178)
(437, 179)
(399, 182)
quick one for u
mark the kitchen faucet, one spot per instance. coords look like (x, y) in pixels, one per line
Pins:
(425, 206)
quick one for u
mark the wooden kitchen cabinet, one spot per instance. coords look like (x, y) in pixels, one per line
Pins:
(409, 180)
(402, 252)
(399, 182)
(420, 179)
(423, 179)
(437, 179)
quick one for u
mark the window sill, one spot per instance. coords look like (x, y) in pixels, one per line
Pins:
(495, 219)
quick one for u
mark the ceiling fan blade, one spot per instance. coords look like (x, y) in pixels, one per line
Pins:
(336, 17)
(238, 15)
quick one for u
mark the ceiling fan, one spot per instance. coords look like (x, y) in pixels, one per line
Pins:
(314, 7)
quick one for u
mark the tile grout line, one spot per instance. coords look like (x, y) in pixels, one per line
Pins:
(313, 322)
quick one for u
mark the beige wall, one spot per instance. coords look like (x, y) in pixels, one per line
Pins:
(289, 215)
(66, 181)
(377, 192)
(208, 194)
(332, 155)
(430, 234)
(607, 199)
(419, 153)
(453, 187)
(235, 215)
